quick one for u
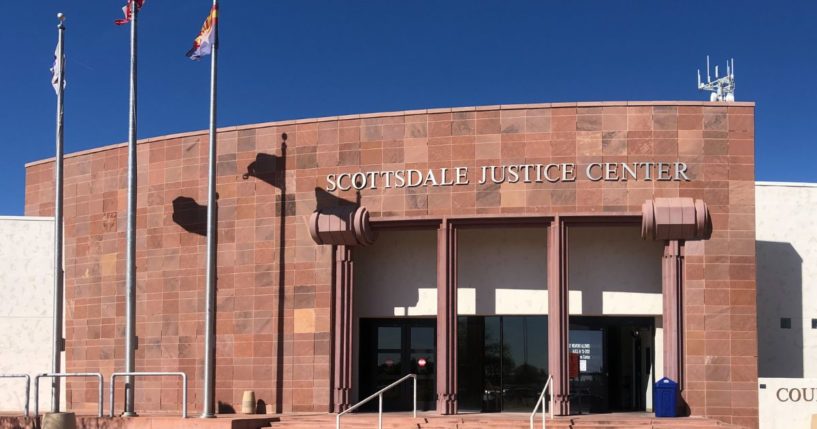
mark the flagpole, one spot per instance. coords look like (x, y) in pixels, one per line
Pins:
(212, 240)
(130, 280)
(59, 345)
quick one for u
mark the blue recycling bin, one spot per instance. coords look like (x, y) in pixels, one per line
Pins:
(666, 398)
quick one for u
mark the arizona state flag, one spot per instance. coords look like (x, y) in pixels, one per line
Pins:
(126, 9)
(203, 43)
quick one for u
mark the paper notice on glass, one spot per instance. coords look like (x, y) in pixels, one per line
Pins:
(583, 365)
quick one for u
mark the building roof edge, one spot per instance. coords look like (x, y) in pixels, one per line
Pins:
(405, 113)
(787, 184)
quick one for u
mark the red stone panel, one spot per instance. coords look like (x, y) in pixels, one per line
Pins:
(274, 321)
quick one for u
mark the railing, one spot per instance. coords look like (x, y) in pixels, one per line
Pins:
(151, 374)
(548, 384)
(65, 375)
(28, 385)
(379, 395)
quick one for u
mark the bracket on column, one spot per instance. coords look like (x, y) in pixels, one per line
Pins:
(674, 220)
(343, 227)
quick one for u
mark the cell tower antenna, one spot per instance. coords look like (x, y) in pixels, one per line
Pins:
(722, 88)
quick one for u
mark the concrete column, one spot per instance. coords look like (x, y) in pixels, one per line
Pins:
(558, 316)
(446, 318)
(344, 279)
(672, 290)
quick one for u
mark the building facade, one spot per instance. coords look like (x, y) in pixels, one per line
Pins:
(602, 244)
(787, 303)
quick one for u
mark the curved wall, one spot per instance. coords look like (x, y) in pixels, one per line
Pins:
(274, 328)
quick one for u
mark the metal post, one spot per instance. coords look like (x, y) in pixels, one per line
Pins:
(36, 396)
(209, 384)
(130, 279)
(551, 401)
(28, 391)
(58, 345)
(414, 380)
(380, 411)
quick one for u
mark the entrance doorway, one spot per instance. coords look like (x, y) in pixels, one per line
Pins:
(391, 349)
(501, 362)
(611, 363)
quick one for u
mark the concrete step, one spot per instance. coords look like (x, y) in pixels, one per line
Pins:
(390, 421)
(494, 421)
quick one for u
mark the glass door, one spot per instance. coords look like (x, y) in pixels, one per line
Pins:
(525, 361)
(611, 361)
(589, 372)
(391, 349)
(505, 359)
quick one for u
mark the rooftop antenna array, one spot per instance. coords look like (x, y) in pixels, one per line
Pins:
(722, 88)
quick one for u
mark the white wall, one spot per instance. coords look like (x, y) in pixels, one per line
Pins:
(786, 287)
(502, 271)
(787, 403)
(786, 279)
(397, 276)
(26, 291)
(614, 272)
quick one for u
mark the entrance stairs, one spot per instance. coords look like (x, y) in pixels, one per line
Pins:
(390, 421)
(495, 421)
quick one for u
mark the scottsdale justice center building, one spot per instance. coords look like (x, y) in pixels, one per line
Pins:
(484, 249)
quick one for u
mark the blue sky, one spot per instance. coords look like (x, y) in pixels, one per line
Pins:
(294, 59)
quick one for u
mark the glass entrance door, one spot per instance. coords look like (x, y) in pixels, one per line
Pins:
(611, 363)
(391, 349)
(501, 362)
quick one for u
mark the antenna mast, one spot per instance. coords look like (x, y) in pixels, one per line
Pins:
(722, 88)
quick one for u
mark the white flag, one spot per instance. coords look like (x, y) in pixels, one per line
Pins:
(56, 70)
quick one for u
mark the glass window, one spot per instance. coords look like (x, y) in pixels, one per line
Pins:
(388, 337)
(422, 338)
(588, 345)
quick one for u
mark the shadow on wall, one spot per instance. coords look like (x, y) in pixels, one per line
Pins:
(614, 259)
(264, 168)
(224, 408)
(190, 215)
(272, 169)
(779, 296)
(390, 274)
(325, 200)
(502, 270)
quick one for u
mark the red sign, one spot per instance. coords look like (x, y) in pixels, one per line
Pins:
(422, 362)
(574, 365)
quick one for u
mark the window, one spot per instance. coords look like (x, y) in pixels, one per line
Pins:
(813, 323)
(785, 323)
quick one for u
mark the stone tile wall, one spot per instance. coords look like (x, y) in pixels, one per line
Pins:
(274, 330)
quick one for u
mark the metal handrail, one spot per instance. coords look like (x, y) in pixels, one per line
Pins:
(37, 377)
(152, 374)
(379, 394)
(28, 385)
(541, 400)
